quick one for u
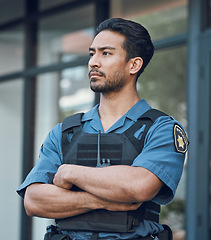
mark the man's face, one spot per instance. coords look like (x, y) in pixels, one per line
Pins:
(108, 69)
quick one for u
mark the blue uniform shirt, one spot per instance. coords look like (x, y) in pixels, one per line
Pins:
(159, 155)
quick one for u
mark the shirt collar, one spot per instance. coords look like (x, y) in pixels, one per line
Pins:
(133, 114)
(137, 110)
(90, 114)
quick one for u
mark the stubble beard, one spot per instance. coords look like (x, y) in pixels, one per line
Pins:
(114, 85)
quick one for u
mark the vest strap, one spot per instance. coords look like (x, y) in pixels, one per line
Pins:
(70, 124)
(72, 121)
(147, 120)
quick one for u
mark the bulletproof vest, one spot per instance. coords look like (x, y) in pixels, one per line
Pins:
(101, 150)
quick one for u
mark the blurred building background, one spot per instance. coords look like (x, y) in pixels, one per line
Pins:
(43, 78)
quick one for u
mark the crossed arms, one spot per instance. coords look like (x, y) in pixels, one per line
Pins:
(114, 188)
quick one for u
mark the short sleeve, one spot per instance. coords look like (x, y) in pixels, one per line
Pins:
(161, 157)
(50, 158)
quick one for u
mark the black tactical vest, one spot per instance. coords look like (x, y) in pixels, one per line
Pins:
(101, 150)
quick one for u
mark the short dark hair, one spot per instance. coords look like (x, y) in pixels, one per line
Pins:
(138, 41)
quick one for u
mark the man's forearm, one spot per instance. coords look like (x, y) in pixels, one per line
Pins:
(115, 183)
(50, 201)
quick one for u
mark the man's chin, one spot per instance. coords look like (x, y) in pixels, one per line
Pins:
(95, 89)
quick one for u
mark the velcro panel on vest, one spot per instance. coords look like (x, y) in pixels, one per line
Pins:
(83, 149)
(88, 151)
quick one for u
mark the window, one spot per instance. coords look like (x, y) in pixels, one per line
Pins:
(11, 49)
(75, 93)
(163, 18)
(11, 113)
(163, 82)
(11, 10)
(66, 36)
(52, 3)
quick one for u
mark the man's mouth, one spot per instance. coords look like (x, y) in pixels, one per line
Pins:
(95, 74)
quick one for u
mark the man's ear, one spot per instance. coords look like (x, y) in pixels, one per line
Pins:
(136, 65)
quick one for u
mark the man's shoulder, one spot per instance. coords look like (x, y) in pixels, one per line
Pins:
(168, 126)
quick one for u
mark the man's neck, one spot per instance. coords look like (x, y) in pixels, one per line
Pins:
(114, 106)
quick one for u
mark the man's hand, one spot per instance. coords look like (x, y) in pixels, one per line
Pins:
(116, 206)
(61, 178)
(123, 184)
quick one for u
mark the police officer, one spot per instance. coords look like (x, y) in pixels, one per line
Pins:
(79, 191)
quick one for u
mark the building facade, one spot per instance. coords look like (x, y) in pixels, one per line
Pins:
(43, 78)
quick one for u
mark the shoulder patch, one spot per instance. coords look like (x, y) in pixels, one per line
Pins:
(180, 139)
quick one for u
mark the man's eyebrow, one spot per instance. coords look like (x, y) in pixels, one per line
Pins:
(102, 48)
(91, 49)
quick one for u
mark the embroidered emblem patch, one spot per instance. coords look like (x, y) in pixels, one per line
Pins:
(180, 139)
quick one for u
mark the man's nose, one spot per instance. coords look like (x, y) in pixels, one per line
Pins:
(94, 61)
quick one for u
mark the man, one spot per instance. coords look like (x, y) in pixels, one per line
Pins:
(87, 199)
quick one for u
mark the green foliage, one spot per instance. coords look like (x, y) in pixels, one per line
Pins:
(166, 22)
(163, 83)
(173, 215)
(177, 207)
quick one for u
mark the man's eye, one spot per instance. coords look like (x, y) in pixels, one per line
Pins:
(106, 53)
(91, 54)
